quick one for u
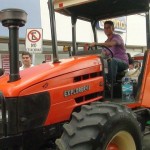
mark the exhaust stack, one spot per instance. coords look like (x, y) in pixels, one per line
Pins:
(13, 19)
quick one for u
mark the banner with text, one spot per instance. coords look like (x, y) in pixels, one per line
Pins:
(120, 24)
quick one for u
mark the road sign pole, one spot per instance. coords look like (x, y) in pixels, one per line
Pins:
(33, 58)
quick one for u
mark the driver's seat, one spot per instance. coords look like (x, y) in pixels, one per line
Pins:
(119, 76)
(114, 86)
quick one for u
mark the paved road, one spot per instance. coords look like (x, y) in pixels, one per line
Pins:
(145, 147)
(146, 143)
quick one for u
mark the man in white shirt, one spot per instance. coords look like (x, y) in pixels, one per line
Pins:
(132, 72)
(26, 61)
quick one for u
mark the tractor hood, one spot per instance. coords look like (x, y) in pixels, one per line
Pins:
(43, 72)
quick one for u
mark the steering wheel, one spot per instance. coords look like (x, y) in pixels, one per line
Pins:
(102, 48)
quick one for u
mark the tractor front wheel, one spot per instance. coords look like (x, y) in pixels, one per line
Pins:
(101, 126)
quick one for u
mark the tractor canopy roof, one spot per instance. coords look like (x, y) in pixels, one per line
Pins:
(100, 9)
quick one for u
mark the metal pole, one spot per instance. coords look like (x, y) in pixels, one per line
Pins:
(53, 31)
(148, 27)
(13, 19)
(93, 23)
(14, 53)
(74, 44)
(33, 58)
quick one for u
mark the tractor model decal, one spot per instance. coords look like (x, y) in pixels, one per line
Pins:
(76, 90)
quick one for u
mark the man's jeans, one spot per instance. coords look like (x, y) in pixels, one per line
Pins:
(114, 66)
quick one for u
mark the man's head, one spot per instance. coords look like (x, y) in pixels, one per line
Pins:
(26, 59)
(108, 28)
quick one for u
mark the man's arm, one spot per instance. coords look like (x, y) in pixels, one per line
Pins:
(108, 44)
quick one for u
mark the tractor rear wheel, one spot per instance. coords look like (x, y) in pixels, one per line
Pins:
(101, 126)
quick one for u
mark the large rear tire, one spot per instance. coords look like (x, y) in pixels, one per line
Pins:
(101, 126)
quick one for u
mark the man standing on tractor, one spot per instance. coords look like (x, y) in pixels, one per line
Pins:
(119, 62)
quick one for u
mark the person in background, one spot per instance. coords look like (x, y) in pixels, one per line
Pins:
(131, 66)
(132, 72)
(131, 62)
(20, 63)
(137, 65)
(119, 62)
(2, 71)
(26, 61)
(43, 61)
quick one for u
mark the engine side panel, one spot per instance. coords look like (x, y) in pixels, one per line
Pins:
(69, 91)
(145, 89)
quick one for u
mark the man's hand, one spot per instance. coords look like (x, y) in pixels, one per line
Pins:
(106, 52)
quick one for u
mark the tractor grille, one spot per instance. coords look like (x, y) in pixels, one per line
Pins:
(96, 95)
(87, 76)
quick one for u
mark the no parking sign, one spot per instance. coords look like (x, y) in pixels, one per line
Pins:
(34, 40)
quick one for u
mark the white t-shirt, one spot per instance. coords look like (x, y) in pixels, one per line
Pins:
(133, 73)
(22, 67)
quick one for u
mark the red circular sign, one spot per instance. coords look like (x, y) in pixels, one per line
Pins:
(34, 36)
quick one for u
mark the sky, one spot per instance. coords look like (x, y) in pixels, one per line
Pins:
(32, 7)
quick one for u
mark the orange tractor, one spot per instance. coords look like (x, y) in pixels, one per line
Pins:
(65, 104)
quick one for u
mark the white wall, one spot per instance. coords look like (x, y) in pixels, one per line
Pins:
(136, 30)
(63, 26)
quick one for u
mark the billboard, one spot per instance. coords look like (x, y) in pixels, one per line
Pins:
(32, 7)
(120, 24)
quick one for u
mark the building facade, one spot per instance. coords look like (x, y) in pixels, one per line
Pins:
(131, 28)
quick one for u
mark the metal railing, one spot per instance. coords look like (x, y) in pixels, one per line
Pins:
(69, 43)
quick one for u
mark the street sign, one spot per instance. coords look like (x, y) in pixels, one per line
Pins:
(34, 40)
